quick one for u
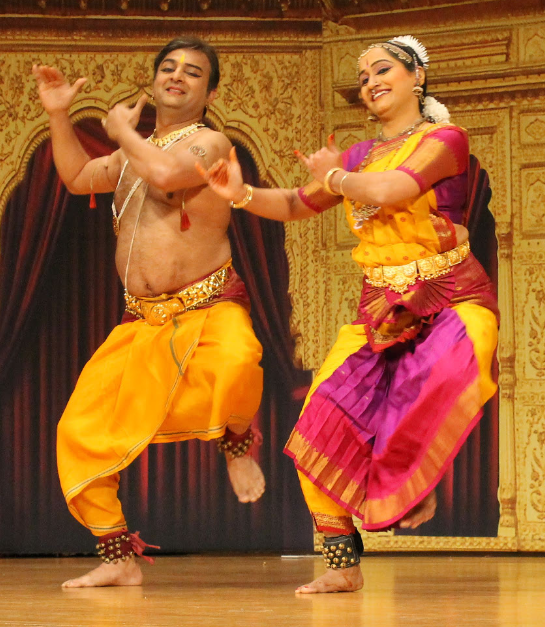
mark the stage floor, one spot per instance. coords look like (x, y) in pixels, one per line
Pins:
(399, 591)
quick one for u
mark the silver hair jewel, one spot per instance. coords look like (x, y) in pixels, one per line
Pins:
(417, 46)
(393, 46)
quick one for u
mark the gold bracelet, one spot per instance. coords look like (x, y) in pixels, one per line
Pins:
(341, 184)
(245, 200)
(326, 181)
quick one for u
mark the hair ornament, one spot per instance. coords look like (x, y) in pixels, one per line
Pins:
(419, 48)
(435, 111)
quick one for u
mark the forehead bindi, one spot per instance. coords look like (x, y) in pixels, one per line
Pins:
(187, 56)
(366, 65)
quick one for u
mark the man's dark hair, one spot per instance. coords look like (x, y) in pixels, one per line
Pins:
(192, 43)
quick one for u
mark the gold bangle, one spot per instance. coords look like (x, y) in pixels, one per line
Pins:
(326, 181)
(245, 200)
(341, 184)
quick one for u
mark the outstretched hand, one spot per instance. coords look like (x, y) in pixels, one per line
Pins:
(225, 177)
(123, 116)
(54, 90)
(322, 161)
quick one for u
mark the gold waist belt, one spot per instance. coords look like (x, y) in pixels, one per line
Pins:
(398, 278)
(158, 310)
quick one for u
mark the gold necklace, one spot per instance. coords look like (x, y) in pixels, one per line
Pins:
(409, 131)
(164, 143)
(176, 135)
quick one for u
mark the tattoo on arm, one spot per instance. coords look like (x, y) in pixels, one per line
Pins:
(199, 151)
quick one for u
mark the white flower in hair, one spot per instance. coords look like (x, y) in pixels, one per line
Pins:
(412, 42)
(435, 110)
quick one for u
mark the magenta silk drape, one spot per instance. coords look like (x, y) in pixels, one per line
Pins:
(60, 296)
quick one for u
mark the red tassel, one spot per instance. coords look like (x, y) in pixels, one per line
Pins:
(184, 221)
(138, 546)
(92, 201)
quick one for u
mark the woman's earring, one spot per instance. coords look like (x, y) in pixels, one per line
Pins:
(418, 91)
(372, 118)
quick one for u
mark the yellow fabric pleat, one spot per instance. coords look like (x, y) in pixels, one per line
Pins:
(318, 502)
(482, 329)
(190, 378)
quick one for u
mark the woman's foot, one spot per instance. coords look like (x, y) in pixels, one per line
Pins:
(124, 573)
(335, 580)
(420, 513)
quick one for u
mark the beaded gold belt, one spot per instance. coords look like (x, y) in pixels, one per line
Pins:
(158, 310)
(398, 278)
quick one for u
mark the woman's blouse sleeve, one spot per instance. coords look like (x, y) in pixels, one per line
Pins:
(441, 154)
(316, 198)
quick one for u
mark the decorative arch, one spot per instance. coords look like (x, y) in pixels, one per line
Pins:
(85, 108)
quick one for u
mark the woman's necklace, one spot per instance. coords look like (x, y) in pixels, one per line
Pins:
(362, 213)
(409, 131)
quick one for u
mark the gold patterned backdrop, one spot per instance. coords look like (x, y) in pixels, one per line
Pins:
(288, 85)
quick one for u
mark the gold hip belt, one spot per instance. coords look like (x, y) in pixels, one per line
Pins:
(158, 310)
(398, 278)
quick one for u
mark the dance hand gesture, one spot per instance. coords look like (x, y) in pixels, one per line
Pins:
(55, 91)
(122, 116)
(225, 177)
(322, 161)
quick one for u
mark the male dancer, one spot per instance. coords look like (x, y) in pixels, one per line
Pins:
(184, 363)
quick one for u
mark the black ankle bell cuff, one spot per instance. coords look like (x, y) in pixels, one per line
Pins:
(343, 551)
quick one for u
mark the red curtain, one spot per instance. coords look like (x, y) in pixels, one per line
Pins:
(60, 297)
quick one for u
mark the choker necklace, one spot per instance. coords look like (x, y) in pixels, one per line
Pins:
(180, 133)
(407, 131)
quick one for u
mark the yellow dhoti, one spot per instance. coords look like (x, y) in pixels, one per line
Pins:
(189, 378)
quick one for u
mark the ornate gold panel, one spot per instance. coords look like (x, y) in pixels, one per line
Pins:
(532, 128)
(530, 318)
(533, 201)
(532, 43)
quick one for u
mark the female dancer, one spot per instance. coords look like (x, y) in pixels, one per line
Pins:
(405, 383)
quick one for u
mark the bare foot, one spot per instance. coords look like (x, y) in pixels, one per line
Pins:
(125, 573)
(420, 513)
(345, 580)
(246, 478)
